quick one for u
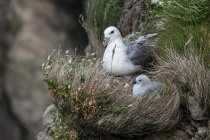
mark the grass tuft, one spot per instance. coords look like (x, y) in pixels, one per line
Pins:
(188, 73)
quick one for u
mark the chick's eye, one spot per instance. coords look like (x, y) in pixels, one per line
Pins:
(140, 80)
(111, 32)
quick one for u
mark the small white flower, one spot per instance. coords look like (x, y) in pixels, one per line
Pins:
(43, 65)
(107, 86)
(70, 60)
(93, 54)
(126, 85)
(130, 105)
(83, 59)
(67, 52)
(160, 3)
(69, 86)
(154, 1)
(48, 67)
(116, 81)
(48, 58)
(62, 73)
(70, 70)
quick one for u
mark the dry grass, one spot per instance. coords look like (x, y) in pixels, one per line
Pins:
(144, 116)
(188, 72)
(97, 103)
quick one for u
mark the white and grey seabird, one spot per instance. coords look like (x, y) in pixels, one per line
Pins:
(124, 59)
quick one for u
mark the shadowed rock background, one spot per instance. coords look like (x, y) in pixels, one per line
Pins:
(29, 30)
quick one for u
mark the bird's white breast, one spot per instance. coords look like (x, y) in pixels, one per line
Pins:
(139, 90)
(148, 89)
(115, 60)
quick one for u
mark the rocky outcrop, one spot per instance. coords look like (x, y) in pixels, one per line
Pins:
(132, 17)
(11, 128)
(36, 28)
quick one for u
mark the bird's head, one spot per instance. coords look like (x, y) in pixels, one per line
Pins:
(111, 34)
(141, 80)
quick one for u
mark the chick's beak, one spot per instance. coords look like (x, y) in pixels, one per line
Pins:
(134, 82)
(105, 42)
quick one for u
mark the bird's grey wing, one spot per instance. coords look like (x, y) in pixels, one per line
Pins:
(150, 90)
(139, 54)
(155, 88)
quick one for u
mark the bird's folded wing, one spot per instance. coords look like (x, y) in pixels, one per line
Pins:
(139, 54)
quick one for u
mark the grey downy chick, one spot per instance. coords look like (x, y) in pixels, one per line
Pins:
(143, 86)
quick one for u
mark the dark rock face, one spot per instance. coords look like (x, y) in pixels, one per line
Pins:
(27, 35)
(11, 128)
(196, 111)
(132, 17)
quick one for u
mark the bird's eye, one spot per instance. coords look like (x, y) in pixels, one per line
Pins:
(111, 32)
(140, 80)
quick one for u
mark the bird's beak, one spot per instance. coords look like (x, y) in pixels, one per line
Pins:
(105, 42)
(134, 82)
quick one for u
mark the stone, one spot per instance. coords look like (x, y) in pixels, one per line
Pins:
(132, 17)
(45, 25)
(180, 134)
(162, 136)
(43, 136)
(196, 111)
(188, 130)
(48, 120)
(203, 132)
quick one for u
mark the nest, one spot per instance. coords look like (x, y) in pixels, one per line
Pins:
(96, 103)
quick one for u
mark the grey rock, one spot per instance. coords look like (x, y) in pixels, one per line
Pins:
(43, 136)
(9, 130)
(48, 116)
(189, 130)
(45, 25)
(48, 120)
(132, 17)
(203, 132)
(180, 134)
(162, 136)
(196, 111)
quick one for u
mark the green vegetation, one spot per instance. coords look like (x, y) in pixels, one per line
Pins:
(186, 26)
(187, 12)
(79, 84)
(63, 131)
(101, 14)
